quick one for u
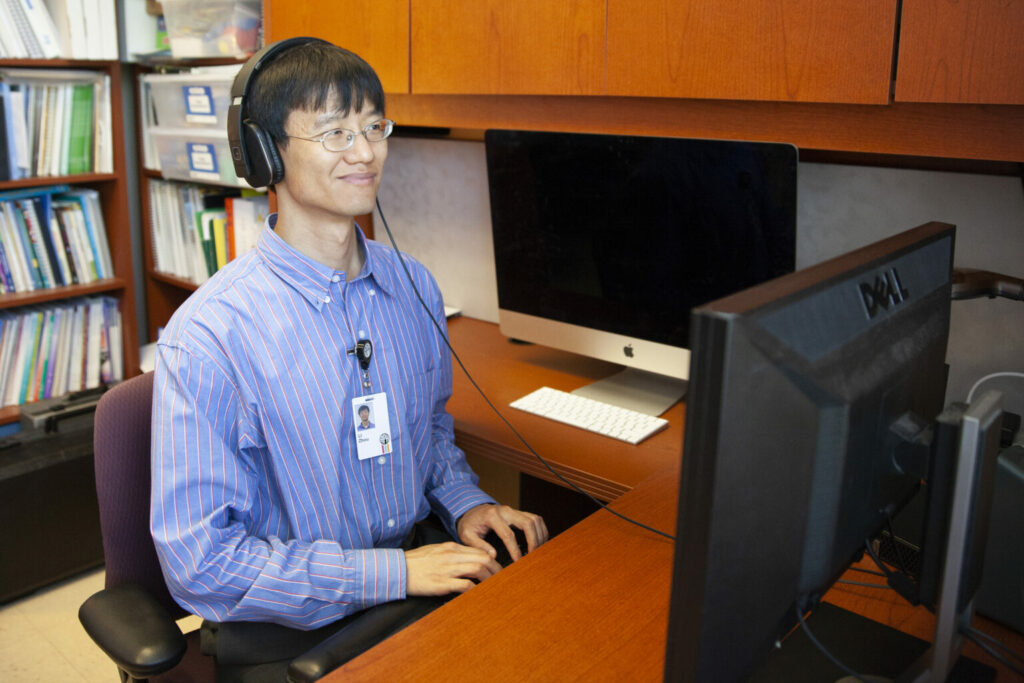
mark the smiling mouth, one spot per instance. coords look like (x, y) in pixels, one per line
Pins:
(359, 178)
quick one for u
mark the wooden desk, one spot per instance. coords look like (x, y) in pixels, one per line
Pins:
(592, 603)
(604, 467)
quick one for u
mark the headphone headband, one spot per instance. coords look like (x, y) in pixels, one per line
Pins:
(253, 152)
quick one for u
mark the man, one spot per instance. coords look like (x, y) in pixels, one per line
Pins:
(267, 506)
(364, 419)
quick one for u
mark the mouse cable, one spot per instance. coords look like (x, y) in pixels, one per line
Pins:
(494, 408)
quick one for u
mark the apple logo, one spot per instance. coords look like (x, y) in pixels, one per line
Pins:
(628, 350)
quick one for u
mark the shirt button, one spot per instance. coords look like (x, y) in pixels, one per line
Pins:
(327, 299)
(391, 523)
(372, 292)
(336, 278)
(382, 460)
(362, 333)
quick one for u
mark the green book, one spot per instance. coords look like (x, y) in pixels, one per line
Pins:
(204, 227)
(80, 142)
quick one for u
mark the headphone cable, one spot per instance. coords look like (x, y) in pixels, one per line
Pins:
(494, 408)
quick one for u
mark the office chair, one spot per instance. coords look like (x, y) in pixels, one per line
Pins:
(133, 618)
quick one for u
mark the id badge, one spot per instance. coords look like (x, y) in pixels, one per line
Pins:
(372, 426)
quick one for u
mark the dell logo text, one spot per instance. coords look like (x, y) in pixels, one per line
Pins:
(886, 292)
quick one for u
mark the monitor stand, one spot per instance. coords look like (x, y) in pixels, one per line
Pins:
(644, 392)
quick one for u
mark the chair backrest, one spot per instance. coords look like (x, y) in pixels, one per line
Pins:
(122, 458)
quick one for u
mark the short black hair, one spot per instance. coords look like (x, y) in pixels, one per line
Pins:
(305, 77)
(362, 408)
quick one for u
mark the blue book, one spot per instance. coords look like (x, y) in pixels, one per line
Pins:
(5, 269)
(28, 193)
(9, 169)
(41, 206)
(28, 250)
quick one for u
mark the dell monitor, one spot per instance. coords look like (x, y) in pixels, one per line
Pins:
(809, 411)
(603, 243)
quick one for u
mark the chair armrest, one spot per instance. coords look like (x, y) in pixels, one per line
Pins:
(133, 629)
(365, 630)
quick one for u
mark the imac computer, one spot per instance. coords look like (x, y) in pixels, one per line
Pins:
(815, 411)
(603, 243)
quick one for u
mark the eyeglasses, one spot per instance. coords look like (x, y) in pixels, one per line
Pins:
(339, 139)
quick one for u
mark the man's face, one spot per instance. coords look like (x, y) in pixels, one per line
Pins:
(331, 185)
(364, 416)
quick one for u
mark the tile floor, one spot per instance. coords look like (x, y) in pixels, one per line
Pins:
(41, 639)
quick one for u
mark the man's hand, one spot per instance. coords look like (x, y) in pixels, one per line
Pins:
(445, 568)
(476, 523)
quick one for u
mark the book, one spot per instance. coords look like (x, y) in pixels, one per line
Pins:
(93, 331)
(20, 22)
(27, 250)
(14, 255)
(6, 282)
(42, 27)
(10, 330)
(76, 349)
(21, 159)
(40, 247)
(220, 238)
(79, 157)
(112, 317)
(33, 328)
(14, 47)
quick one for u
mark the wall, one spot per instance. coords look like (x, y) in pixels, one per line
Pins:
(435, 198)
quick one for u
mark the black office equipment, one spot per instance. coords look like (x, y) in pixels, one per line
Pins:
(809, 423)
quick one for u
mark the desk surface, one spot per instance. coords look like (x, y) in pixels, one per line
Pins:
(505, 370)
(592, 603)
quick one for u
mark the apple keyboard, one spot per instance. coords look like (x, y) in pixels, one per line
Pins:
(586, 413)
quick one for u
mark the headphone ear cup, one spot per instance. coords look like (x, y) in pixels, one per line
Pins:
(265, 165)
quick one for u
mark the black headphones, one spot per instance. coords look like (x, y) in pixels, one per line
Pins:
(253, 151)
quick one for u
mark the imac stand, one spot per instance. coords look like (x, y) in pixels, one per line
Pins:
(639, 390)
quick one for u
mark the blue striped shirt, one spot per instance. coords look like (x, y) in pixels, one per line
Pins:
(261, 510)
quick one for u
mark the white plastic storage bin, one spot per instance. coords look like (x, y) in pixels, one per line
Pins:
(191, 99)
(212, 28)
(196, 154)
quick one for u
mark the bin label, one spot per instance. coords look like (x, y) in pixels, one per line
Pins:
(202, 161)
(199, 104)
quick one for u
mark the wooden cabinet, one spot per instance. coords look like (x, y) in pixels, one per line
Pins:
(525, 47)
(113, 198)
(966, 52)
(780, 50)
(377, 31)
(816, 73)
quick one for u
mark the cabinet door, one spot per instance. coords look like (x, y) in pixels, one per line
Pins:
(508, 47)
(377, 31)
(967, 52)
(785, 50)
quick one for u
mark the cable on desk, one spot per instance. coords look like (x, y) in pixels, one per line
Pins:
(866, 571)
(865, 584)
(976, 636)
(494, 408)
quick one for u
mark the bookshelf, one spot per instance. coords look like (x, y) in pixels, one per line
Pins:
(164, 292)
(112, 189)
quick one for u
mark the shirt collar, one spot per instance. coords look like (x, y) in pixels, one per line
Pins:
(310, 278)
